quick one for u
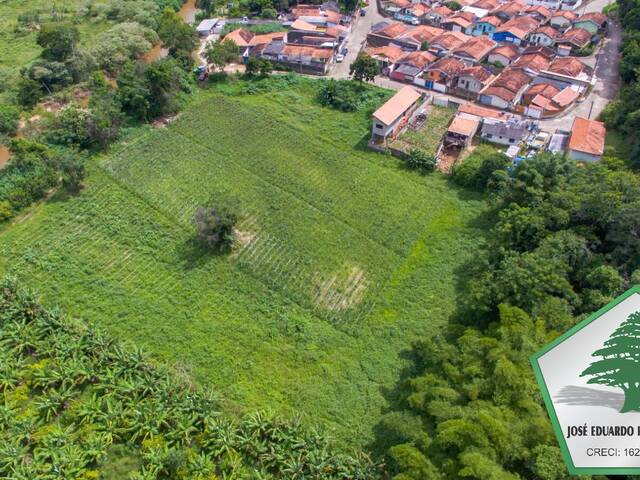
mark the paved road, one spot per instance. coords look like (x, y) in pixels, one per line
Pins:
(356, 40)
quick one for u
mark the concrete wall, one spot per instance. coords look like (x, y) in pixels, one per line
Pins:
(584, 157)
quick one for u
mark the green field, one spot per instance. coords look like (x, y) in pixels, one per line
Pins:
(344, 257)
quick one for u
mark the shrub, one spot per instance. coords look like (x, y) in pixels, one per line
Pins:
(9, 116)
(215, 228)
(419, 160)
(477, 169)
(28, 92)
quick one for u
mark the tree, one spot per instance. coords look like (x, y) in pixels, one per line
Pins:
(419, 160)
(9, 116)
(269, 13)
(179, 37)
(221, 53)
(260, 66)
(58, 41)
(215, 228)
(73, 173)
(364, 68)
(453, 5)
(620, 362)
(424, 46)
(29, 92)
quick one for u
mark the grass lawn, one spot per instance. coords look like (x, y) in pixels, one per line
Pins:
(429, 136)
(345, 258)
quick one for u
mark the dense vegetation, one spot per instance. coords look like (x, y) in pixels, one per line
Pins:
(341, 254)
(78, 404)
(565, 241)
(623, 113)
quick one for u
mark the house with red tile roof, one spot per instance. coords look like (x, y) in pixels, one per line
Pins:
(539, 12)
(516, 30)
(570, 67)
(436, 14)
(586, 142)
(575, 39)
(472, 80)
(386, 32)
(486, 25)
(441, 74)
(509, 10)
(504, 55)
(562, 19)
(447, 42)
(593, 22)
(417, 36)
(532, 63)
(505, 91)
(459, 22)
(474, 50)
(390, 118)
(546, 90)
(486, 4)
(386, 56)
(411, 65)
(545, 36)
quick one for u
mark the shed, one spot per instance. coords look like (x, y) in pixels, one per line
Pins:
(207, 26)
(461, 131)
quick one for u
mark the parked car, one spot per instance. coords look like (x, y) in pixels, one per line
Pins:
(344, 51)
(339, 57)
(363, 12)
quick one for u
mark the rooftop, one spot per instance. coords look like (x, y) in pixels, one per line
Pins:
(587, 136)
(478, 72)
(569, 66)
(519, 26)
(598, 18)
(397, 105)
(508, 51)
(463, 126)
(578, 37)
(476, 47)
(449, 66)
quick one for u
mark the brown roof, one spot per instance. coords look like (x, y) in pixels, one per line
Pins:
(422, 33)
(476, 47)
(578, 37)
(335, 17)
(545, 89)
(482, 112)
(598, 18)
(449, 66)
(587, 136)
(478, 72)
(519, 26)
(442, 10)
(566, 96)
(508, 51)
(397, 105)
(450, 40)
(390, 52)
(509, 9)
(463, 126)
(548, 31)
(302, 25)
(568, 14)
(569, 66)
(486, 4)
(491, 20)
(420, 9)
(418, 59)
(532, 61)
(501, 92)
(306, 11)
(458, 20)
(241, 37)
(541, 101)
(540, 10)
(305, 51)
(508, 84)
(266, 38)
(393, 30)
(401, 3)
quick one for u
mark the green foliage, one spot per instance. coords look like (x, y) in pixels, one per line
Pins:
(222, 52)
(9, 116)
(72, 395)
(121, 43)
(477, 169)
(180, 38)
(364, 68)
(58, 41)
(48, 75)
(347, 96)
(258, 29)
(258, 66)
(418, 160)
(453, 5)
(215, 228)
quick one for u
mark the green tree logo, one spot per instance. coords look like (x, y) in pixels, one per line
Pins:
(620, 363)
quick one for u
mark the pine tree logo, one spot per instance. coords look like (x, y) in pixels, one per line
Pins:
(620, 363)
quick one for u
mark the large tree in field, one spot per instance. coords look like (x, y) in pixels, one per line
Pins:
(620, 364)
(58, 41)
(364, 68)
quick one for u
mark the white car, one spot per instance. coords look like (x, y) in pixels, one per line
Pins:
(339, 57)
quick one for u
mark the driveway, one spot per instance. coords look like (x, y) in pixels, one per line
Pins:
(356, 40)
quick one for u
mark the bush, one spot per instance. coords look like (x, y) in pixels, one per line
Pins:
(419, 160)
(215, 228)
(28, 92)
(477, 169)
(348, 96)
(9, 116)
(122, 43)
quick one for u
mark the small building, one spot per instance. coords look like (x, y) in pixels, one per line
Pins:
(562, 19)
(539, 12)
(459, 22)
(545, 36)
(409, 67)
(386, 56)
(550, 4)
(461, 131)
(509, 10)
(504, 55)
(472, 80)
(570, 67)
(441, 74)
(510, 132)
(574, 39)
(390, 118)
(447, 42)
(475, 50)
(593, 22)
(505, 91)
(207, 27)
(516, 30)
(435, 15)
(486, 26)
(532, 63)
(586, 141)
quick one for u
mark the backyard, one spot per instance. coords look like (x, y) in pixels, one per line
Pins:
(344, 258)
(428, 136)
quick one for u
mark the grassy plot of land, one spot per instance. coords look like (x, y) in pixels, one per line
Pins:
(429, 135)
(344, 258)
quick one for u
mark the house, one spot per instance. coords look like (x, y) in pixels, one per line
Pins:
(545, 36)
(504, 55)
(507, 11)
(566, 97)
(474, 50)
(505, 91)
(486, 4)
(478, 13)
(471, 110)
(461, 131)
(546, 90)
(515, 30)
(306, 59)
(440, 75)
(574, 39)
(386, 56)
(593, 22)
(207, 26)
(562, 19)
(436, 14)
(411, 65)
(415, 38)
(509, 132)
(391, 117)
(447, 41)
(384, 33)
(570, 67)
(472, 80)
(532, 63)
(324, 15)
(486, 25)
(459, 22)
(586, 141)
(539, 12)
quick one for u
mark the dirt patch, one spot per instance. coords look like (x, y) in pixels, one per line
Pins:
(5, 155)
(343, 290)
(447, 159)
(52, 105)
(243, 238)
(162, 122)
